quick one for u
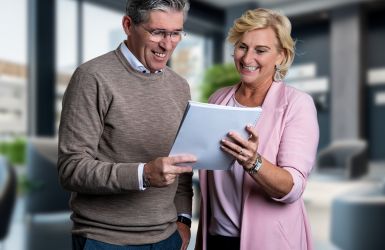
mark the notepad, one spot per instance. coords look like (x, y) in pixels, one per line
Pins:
(204, 125)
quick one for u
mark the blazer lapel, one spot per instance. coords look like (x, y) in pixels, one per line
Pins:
(268, 127)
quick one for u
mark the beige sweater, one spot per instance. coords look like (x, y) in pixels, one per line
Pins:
(113, 118)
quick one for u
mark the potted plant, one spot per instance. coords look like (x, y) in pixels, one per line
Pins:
(218, 76)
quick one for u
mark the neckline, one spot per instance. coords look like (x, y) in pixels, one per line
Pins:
(129, 68)
(237, 104)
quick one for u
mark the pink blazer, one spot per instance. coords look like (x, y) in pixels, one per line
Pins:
(288, 137)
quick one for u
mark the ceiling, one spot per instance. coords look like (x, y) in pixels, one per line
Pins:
(227, 3)
(296, 8)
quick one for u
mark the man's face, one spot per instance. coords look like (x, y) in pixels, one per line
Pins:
(154, 54)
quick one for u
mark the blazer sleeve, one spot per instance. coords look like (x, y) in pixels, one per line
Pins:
(299, 142)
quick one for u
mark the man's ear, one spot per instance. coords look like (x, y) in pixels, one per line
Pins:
(127, 23)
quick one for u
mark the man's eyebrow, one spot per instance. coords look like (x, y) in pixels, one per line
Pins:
(180, 29)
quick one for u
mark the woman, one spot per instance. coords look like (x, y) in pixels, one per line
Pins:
(258, 203)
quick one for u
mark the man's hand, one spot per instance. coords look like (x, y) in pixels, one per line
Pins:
(163, 171)
(185, 234)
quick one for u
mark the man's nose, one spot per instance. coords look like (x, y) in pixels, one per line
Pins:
(166, 42)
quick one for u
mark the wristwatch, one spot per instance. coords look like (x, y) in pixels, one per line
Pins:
(184, 220)
(146, 182)
(256, 165)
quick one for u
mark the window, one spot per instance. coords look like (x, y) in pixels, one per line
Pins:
(101, 35)
(66, 47)
(190, 59)
(13, 68)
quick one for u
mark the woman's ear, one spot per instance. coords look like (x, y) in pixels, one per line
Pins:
(281, 57)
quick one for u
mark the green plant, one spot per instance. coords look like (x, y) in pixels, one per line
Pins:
(17, 152)
(3, 148)
(26, 186)
(217, 76)
(14, 150)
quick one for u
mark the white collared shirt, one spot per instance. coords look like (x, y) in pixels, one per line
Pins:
(133, 61)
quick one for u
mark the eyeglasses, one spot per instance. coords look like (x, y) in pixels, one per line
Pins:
(159, 35)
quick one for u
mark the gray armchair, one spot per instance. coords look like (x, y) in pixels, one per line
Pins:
(47, 204)
(7, 196)
(358, 220)
(345, 158)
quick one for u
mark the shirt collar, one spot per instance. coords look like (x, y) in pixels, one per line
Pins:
(133, 61)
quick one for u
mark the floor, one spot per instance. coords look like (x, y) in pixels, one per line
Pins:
(318, 199)
(322, 189)
(318, 196)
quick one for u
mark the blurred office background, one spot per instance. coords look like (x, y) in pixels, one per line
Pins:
(340, 61)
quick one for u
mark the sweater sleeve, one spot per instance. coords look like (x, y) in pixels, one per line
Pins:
(184, 192)
(298, 145)
(82, 120)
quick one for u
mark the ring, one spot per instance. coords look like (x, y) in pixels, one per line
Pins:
(240, 152)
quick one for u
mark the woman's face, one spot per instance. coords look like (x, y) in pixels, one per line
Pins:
(255, 56)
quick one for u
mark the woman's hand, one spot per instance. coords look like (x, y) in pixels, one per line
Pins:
(244, 151)
(275, 181)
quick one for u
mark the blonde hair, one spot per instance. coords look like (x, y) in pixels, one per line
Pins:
(265, 18)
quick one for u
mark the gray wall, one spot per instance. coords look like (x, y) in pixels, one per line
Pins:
(347, 73)
(375, 57)
(313, 46)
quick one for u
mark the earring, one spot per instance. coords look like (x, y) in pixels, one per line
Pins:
(277, 74)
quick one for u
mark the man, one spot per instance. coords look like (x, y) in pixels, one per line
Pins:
(121, 112)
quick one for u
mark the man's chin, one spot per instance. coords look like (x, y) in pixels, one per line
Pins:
(157, 67)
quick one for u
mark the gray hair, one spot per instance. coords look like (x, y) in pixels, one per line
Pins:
(139, 10)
